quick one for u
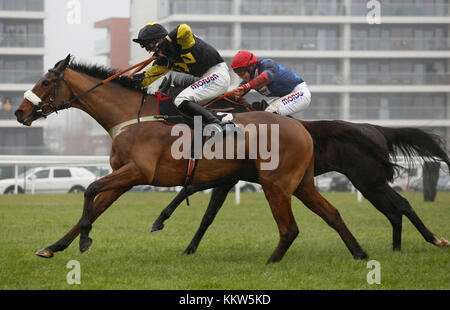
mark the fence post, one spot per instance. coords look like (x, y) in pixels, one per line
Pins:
(237, 191)
(16, 175)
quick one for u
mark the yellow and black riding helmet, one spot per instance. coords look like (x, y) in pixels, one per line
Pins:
(150, 33)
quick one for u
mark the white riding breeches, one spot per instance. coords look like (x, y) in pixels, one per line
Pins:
(212, 84)
(296, 101)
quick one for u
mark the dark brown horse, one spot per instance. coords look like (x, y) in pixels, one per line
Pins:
(335, 150)
(141, 153)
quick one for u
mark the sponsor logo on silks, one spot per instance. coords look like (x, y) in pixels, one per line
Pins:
(205, 82)
(292, 97)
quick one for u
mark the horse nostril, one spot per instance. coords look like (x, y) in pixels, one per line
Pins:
(19, 115)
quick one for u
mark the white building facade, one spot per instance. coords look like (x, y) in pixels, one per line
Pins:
(21, 65)
(396, 73)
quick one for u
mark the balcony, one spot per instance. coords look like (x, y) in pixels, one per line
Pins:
(19, 77)
(290, 7)
(405, 9)
(21, 40)
(200, 7)
(24, 5)
(400, 44)
(290, 43)
(399, 78)
(219, 42)
(411, 112)
(321, 78)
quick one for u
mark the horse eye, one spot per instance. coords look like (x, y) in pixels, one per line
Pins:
(45, 83)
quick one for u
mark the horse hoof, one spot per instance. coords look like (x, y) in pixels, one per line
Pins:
(442, 243)
(361, 256)
(45, 253)
(85, 244)
(189, 251)
(156, 227)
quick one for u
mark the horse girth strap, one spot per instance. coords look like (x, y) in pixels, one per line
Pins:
(153, 118)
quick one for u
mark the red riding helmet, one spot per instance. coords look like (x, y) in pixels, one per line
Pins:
(242, 61)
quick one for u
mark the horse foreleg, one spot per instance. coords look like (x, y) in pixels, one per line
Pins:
(103, 201)
(121, 179)
(217, 199)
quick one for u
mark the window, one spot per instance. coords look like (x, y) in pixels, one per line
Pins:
(43, 174)
(61, 173)
(326, 106)
(398, 106)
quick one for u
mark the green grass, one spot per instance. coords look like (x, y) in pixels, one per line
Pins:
(232, 255)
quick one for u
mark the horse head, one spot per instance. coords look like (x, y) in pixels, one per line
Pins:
(48, 95)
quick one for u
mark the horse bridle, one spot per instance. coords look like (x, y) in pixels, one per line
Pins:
(39, 108)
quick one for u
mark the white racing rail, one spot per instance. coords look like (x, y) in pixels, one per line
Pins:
(47, 160)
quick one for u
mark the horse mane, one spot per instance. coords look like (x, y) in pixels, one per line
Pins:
(102, 73)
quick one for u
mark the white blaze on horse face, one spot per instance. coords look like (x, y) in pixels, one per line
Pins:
(32, 97)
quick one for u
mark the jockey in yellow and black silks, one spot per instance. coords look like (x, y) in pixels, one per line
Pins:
(182, 51)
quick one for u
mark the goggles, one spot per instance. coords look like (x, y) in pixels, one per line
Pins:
(149, 45)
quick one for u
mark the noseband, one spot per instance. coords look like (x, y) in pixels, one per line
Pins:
(45, 109)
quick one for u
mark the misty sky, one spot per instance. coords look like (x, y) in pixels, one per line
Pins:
(66, 32)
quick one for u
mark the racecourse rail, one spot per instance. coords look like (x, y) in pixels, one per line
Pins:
(17, 161)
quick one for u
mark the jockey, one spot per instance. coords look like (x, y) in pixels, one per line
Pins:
(273, 80)
(182, 51)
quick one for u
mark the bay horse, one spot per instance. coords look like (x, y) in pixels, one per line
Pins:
(141, 153)
(334, 152)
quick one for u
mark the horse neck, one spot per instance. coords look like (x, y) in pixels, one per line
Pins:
(109, 104)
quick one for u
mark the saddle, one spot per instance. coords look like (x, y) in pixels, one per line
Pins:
(170, 115)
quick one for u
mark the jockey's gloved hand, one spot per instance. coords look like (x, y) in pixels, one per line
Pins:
(165, 47)
(138, 76)
(260, 105)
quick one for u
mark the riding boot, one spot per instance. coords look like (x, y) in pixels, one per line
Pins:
(192, 109)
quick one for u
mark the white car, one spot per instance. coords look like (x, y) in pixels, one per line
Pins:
(50, 180)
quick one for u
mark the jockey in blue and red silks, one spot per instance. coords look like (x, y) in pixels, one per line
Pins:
(272, 80)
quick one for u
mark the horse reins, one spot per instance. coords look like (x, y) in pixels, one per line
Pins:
(36, 101)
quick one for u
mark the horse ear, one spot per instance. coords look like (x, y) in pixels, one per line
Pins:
(66, 62)
(62, 64)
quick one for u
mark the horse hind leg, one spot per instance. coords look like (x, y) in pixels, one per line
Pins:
(280, 205)
(312, 199)
(406, 209)
(385, 201)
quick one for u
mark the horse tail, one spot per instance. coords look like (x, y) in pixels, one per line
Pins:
(410, 142)
(341, 133)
